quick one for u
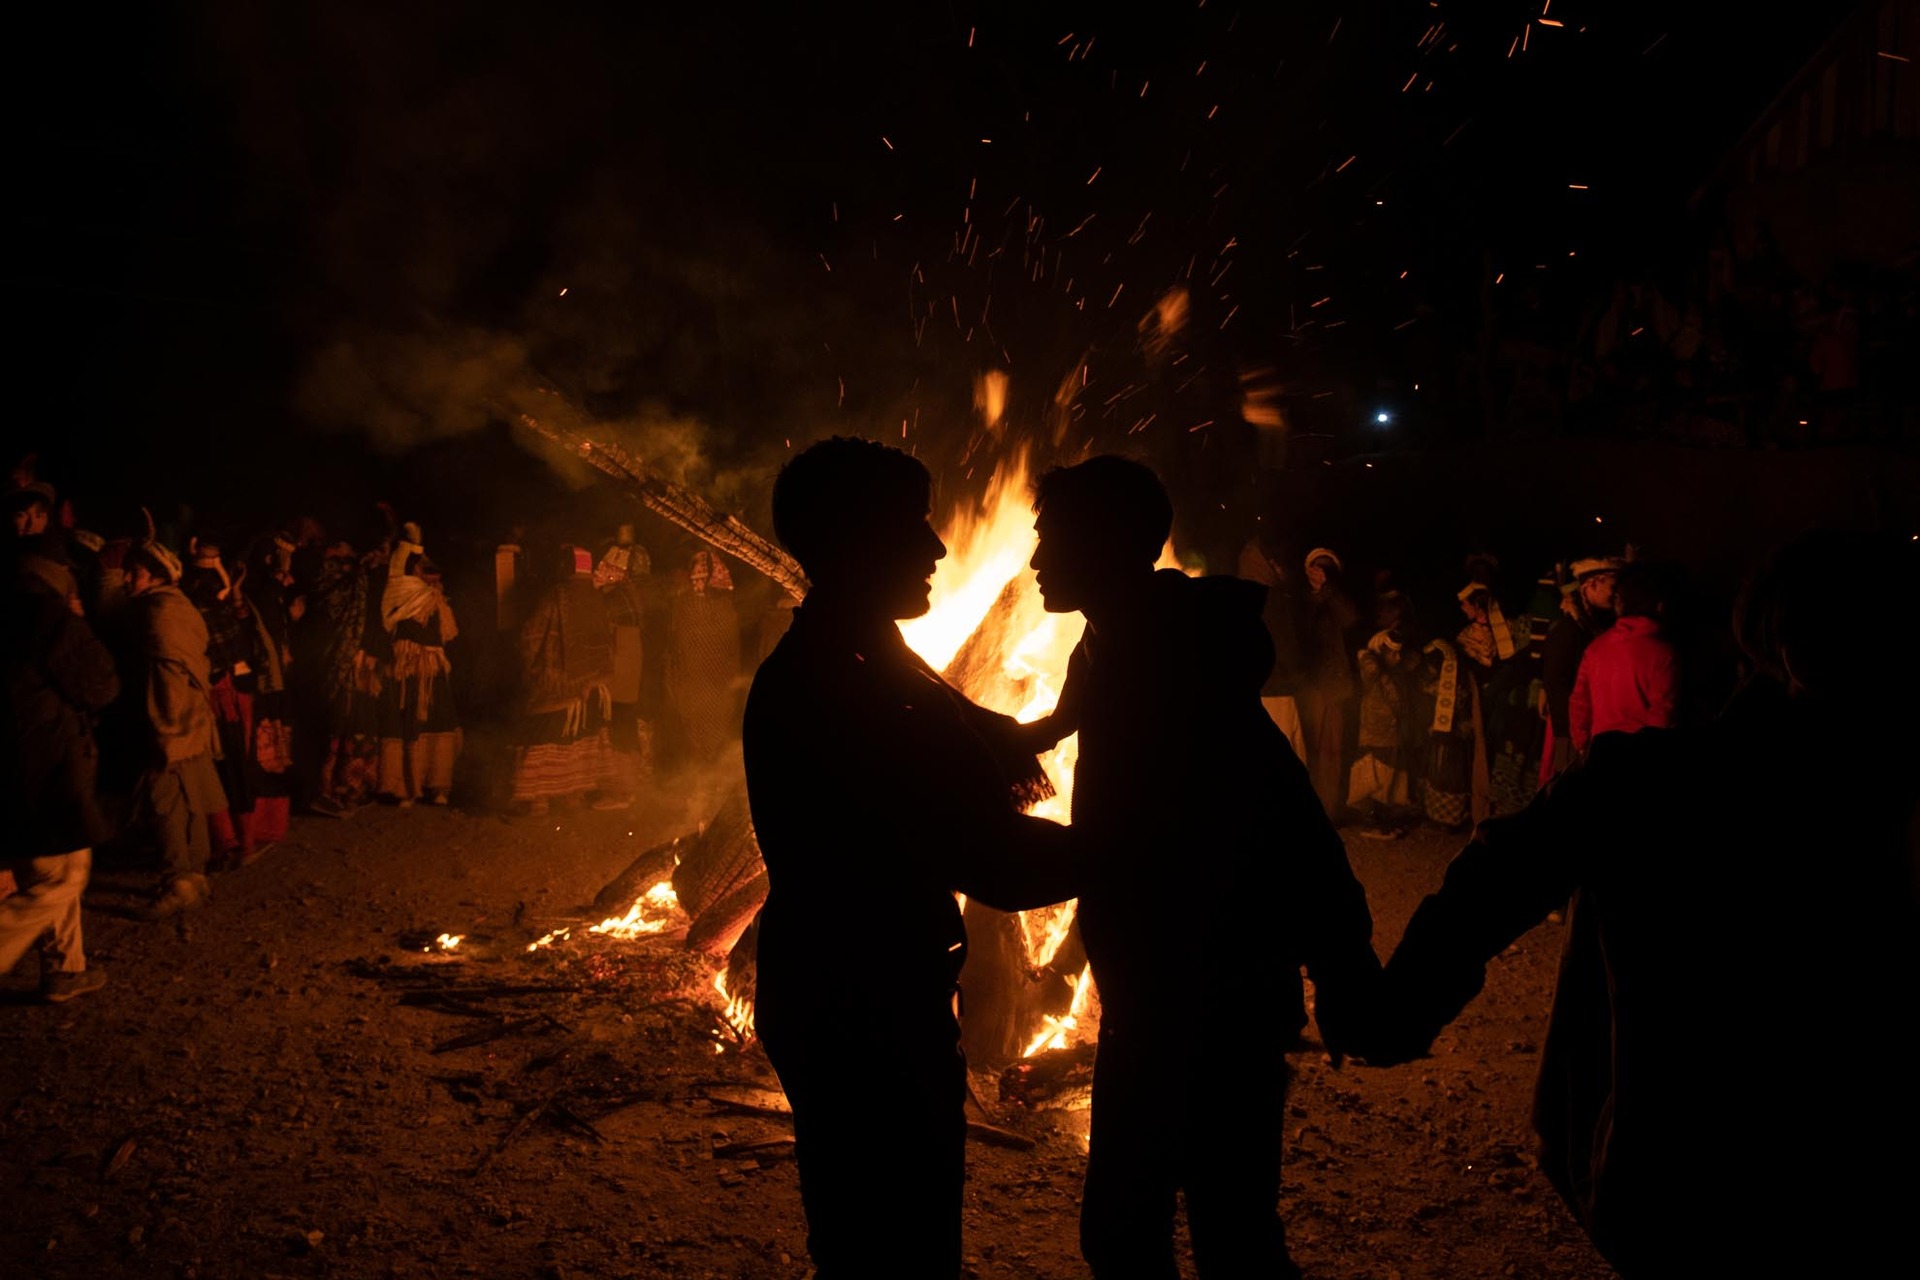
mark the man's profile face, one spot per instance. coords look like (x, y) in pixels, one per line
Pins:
(1597, 588)
(1068, 563)
(1316, 575)
(139, 580)
(899, 560)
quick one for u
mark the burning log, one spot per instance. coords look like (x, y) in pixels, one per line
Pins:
(723, 858)
(645, 871)
(721, 881)
(1050, 1079)
(684, 508)
(725, 922)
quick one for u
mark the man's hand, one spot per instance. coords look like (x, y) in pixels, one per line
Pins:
(8, 885)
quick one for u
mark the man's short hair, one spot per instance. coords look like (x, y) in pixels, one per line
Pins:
(1639, 589)
(826, 496)
(1120, 500)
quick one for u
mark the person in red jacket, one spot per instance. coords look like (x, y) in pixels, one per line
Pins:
(1630, 675)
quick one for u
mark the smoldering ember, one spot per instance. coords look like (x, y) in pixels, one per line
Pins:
(982, 640)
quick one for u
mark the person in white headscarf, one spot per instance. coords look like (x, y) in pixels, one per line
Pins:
(420, 736)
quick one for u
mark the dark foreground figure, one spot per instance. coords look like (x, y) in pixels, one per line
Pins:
(877, 791)
(1217, 876)
(1728, 1083)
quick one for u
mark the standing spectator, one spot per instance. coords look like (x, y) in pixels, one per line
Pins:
(566, 651)
(1455, 764)
(1377, 788)
(58, 676)
(269, 733)
(1585, 611)
(346, 684)
(1329, 674)
(180, 791)
(30, 509)
(703, 660)
(233, 654)
(419, 724)
(1630, 677)
(1489, 644)
(1279, 695)
(622, 576)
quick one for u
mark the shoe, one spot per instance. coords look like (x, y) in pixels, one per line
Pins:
(58, 988)
(440, 798)
(183, 894)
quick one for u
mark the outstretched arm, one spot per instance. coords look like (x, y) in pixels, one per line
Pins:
(1513, 872)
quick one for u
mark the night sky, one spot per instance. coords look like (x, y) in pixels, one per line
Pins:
(265, 255)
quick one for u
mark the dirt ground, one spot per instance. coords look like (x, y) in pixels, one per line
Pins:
(251, 1095)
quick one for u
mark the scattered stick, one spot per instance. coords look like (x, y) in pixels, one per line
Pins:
(994, 1136)
(486, 1035)
(573, 1120)
(520, 1126)
(763, 1147)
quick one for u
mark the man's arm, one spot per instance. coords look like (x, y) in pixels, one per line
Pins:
(1513, 872)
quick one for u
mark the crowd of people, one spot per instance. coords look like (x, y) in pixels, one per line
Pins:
(175, 702)
(1453, 722)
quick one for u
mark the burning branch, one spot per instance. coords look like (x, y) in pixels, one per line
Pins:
(673, 502)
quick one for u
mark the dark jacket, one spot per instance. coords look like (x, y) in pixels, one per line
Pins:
(1733, 1038)
(1216, 874)
(875, 797)
(58, 677)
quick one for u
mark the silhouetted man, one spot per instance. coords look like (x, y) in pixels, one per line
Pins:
(877, 791)
(1216, 876)
(1727, 1085)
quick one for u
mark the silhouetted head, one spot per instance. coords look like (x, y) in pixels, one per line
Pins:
(854, 514)
(1638, 592)
(1802, 620)
(1102, 524)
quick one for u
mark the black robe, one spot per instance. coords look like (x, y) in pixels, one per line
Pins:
(1731, 1057)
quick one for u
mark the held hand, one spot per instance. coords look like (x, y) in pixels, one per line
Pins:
(8, 885)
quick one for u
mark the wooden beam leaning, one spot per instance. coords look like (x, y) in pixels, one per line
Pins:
(680, 505)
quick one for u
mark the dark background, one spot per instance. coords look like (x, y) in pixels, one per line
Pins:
(267, 259)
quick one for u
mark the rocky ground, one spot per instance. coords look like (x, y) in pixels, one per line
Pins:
(274, 1087)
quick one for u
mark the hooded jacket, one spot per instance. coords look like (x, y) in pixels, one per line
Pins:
(1217, 874)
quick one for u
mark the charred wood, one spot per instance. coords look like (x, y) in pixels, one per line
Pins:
(644, 872)
(1052, 1078)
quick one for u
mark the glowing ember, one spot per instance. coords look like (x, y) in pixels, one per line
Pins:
(650, 913)
(549, 939)
(448, 941)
